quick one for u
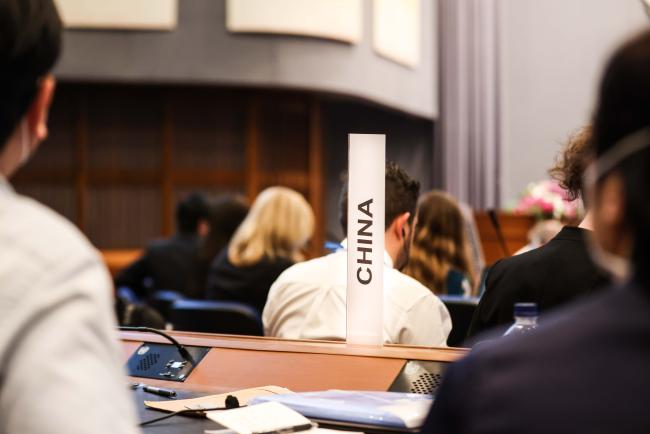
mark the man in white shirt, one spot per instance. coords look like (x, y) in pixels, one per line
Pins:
(60, 363)
(307, 301)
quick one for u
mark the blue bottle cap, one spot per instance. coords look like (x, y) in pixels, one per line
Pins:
(526, 309)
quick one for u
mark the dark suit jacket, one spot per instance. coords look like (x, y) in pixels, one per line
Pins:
(585, 370)
(551, 275)
(166, 264)
(248, 284)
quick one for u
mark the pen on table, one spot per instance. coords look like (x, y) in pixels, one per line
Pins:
(159, 391)
(168, 393)
(291, 429)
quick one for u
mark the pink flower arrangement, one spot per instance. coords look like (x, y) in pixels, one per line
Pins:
(546, 199)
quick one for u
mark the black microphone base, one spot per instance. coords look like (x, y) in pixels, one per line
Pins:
(163, 362)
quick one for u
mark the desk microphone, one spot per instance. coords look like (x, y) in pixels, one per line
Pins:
(497, 228)
(181, 349)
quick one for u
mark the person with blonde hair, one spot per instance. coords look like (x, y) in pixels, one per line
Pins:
(268, 241)
(440, 252)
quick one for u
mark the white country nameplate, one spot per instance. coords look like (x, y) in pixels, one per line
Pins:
(366, 201)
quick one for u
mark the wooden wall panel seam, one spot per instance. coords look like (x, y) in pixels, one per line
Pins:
(81, 154)
(166, 164)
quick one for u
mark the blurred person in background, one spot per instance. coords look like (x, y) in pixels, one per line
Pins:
(440, 256)
(60, 362)
(166, 264)
(224, 217)
(137, 314)
(541, 233)
(556, 273)
(269, 240)
(551, 379)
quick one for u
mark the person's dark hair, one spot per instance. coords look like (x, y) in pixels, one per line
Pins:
(572, 161)
(623, 109)
(402, 193)
(30, 44)
(225, 216)
(189, 212)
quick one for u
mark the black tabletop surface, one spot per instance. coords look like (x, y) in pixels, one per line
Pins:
(195, 425)
(176, 424)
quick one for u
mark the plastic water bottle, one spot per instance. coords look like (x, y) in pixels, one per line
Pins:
(526, 315)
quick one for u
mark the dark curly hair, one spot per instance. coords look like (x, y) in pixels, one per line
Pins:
(571, 162)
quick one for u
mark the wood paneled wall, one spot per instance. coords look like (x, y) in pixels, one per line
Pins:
(514, 228)
(119, 157)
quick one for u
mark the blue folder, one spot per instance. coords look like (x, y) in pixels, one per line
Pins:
(402, 411)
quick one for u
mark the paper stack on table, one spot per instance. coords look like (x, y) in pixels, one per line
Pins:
(267, 418)
(263, 418)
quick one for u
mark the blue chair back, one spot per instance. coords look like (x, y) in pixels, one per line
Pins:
(163, 300)
(128, 295)
(227, 317)
(461, 310)
(455, 280)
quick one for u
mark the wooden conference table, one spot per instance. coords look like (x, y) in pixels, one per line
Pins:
(240, 362)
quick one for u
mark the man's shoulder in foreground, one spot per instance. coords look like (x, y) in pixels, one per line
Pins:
(31, 228)
(57, 322)
(580, 327)
(571, 375)
(45, 262)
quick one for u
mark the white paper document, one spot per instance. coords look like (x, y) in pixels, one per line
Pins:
(261, 418)
(312, 431)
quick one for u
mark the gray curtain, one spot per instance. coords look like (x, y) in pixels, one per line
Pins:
(468, 137)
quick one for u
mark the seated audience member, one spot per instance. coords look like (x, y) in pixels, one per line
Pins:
(269, 240)
(440, 255)
(474, 241)
(167, 263)
(224, 217)
(60, 363)
(553, 274)
(308, 300)
(540, 234)
(551, 380)
(137, 315)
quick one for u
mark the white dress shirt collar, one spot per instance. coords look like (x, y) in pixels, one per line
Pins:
(7, 192)
(5, 187)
